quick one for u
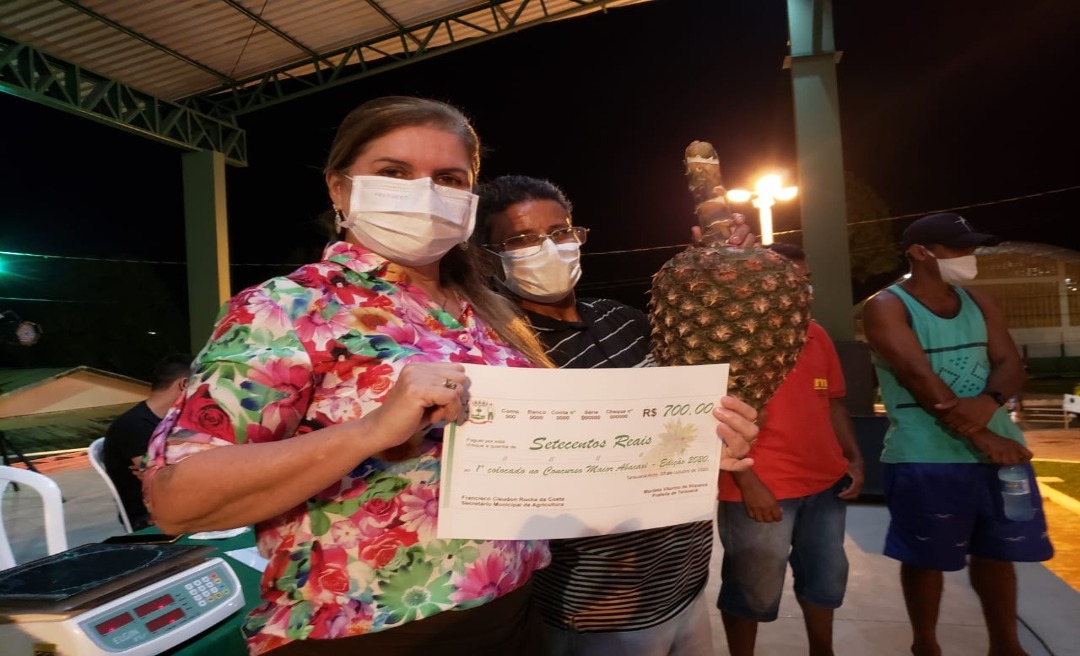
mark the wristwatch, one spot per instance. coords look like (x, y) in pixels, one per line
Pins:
(998, 398)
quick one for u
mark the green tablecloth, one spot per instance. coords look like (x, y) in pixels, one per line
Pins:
(225, 638)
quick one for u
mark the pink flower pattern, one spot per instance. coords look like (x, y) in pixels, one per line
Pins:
(487, 577)
(318, 347)
(419, 508)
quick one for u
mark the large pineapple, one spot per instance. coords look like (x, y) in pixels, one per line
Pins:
(719, 303)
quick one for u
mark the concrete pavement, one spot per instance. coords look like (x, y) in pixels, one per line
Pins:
(1054, 443)
(872, 621)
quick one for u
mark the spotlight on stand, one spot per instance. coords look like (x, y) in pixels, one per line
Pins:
(13, 330)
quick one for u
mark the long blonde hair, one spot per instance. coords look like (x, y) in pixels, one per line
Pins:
(462, 270)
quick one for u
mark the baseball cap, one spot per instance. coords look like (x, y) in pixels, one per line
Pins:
(948, 229)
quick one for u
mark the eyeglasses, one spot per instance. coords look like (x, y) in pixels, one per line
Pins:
(531, 243)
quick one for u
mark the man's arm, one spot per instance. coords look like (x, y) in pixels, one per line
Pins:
(1006, 366)
(969, 415)
(845, 435)
(885, 323)
(128, 437)
(136, 467)
(132, 441)
(760, 502)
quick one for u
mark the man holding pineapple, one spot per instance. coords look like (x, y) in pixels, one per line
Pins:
(791, 507)
(639, 592)
(947, 364)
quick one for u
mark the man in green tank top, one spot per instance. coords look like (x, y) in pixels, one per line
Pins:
(946, 365)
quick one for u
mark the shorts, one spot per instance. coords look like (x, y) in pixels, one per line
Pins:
(756, 554)
(940, 513)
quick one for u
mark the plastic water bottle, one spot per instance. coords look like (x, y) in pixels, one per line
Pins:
(1016, 493)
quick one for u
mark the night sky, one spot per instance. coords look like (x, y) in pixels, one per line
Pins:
(943, 105)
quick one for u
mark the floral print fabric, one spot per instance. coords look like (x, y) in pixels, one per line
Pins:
(319, 347)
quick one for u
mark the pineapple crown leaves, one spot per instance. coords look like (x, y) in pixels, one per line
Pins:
(710, 197)
(746, 307)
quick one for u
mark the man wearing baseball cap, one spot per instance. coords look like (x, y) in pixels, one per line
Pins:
(946, 364)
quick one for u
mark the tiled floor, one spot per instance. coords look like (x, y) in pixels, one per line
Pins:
(872, 620)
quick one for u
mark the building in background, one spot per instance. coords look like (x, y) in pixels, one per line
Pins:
(47, 410)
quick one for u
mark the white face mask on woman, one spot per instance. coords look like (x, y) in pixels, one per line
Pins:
(955, 270)
(410, 222)
(546, 276)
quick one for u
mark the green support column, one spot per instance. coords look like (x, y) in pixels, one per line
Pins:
(821, 163)
(207, 234)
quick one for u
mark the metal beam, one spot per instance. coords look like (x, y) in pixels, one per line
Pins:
(127, 31)
(30, 73)
(271, 28)
(287, 83)
(402, 30)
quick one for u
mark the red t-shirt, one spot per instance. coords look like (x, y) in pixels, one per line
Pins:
(796, 453)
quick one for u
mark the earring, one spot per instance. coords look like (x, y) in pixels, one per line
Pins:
(339, 218)
(463, 245)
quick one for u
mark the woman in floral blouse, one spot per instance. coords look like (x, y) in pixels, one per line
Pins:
(327, 387)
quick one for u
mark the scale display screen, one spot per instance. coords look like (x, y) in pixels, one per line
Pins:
(114, 623)
(129, 600)
(174, 603)
(155, 605)
(168, 618)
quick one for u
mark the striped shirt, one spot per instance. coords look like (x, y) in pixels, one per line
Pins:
(609, 334)
(625, 581)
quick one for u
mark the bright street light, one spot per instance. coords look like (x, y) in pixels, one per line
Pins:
(767, 191)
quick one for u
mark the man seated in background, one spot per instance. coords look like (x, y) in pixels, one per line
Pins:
(128, 435)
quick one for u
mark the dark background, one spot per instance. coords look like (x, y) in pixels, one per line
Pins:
(961, 104)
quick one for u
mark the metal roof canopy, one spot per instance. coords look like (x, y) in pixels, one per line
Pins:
(181, 72)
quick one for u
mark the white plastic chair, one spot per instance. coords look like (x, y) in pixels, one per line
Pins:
(53, 502)
(97, 459)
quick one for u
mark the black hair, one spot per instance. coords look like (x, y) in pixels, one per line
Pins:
(507, 190)
(788, 251)
(169, 368)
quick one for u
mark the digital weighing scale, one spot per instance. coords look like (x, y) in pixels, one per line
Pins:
(115, 599)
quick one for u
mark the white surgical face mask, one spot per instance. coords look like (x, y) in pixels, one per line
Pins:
(410, 222)
(955, 270)
(545, 277)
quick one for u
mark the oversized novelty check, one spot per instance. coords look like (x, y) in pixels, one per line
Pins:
(558, 453)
